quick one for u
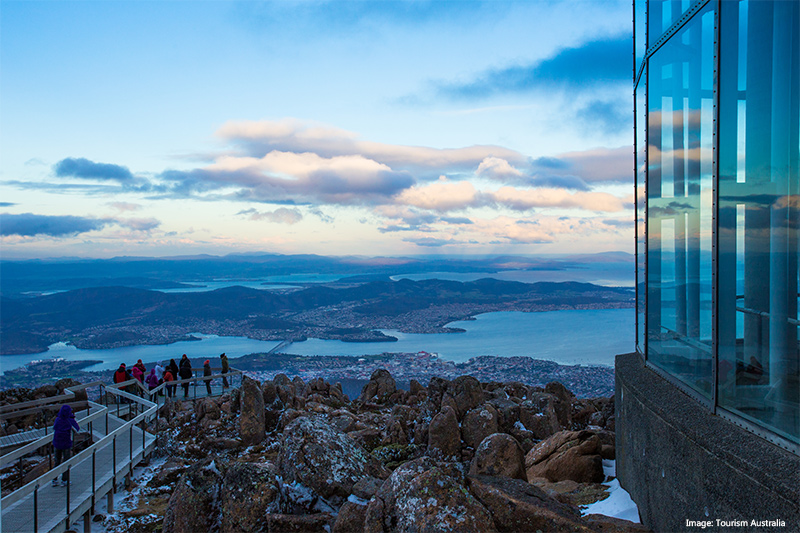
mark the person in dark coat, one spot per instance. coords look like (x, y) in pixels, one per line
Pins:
(141, 367)
(173, 367)
(62, 439)
(185, 372)
(225, 369)
(207, 372)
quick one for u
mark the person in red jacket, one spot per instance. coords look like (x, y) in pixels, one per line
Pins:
(168, 378)
(121, 374)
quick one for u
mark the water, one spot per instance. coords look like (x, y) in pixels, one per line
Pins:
(210, 346)
(265, 283)
(588, 337)
(606, 274)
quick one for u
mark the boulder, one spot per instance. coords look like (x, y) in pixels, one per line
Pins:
(248, 492)
(508, 413)
(291, 523)
(571, 455)
(351, 518)
(444, 436)
(423, 495)
(194, 504)
(516, 506)
(380, 387)
(499, 455)
(478, 424)
(252, 424)
(563, 404)
(538, 415)
(326, 461)
(467, 393)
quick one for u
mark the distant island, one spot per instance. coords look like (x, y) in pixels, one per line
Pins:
(111, 317)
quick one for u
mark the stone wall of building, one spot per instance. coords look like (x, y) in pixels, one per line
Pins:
(681, 463)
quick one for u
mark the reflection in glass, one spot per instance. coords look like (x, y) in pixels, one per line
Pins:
(680, 202)
(758, 368)
(641, 214)
(661, 14)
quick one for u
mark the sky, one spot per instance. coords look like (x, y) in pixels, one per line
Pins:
(162, 128)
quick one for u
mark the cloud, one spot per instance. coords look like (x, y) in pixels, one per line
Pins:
(429, 242)
(286, 177)
(606, 117)
(592, 166)
(7, 204)
(560, 182)
(605, 61)
(291, 135)
(83, 168)
(29, 224)
(139, 224)
(498, 169)
(442, 196)
(125, 206)
(281, 215)
(526, 199)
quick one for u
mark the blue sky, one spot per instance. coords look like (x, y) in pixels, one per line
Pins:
(164, 128)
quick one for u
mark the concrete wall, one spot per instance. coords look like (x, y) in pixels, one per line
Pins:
(679, 462)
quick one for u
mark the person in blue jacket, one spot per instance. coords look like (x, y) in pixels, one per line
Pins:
(62, 439)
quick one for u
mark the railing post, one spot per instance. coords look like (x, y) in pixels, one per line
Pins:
(94, 473)
(114, 459)
(36, 509)
(69, 483)
(130, 447)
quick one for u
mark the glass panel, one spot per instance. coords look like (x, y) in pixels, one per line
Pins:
(759, 368)
(680, 201)
(662, 14)
(641, 173)
(639, 28)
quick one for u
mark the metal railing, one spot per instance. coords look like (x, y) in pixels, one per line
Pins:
(142, 405)
(26, 502)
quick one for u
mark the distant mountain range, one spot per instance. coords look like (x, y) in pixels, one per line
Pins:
(19, 278)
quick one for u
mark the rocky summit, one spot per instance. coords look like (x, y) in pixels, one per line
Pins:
(458, 455)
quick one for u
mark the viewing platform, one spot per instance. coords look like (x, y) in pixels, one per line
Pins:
(117, 426)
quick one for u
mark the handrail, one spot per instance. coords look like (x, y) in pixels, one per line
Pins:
(63, 467)
(77, 405)
(47, 439)
(110, 439)
(34, 403)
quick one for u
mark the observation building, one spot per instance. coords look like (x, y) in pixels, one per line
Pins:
(708, 407)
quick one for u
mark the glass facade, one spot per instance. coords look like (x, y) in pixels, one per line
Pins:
(717, 110)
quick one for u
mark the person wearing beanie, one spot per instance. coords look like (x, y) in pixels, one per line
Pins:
(207, 372)
(185, 372)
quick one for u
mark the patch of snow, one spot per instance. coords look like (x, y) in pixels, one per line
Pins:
(519, 425)
(213, 468)
(618, 504)
(355, 499)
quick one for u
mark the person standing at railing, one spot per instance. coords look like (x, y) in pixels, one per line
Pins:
(62, 439)
(185, 372)
(136, 372)
(159, 370)
(121, 374)
(168, 378)
(207, 372)
(173, 367)
(152, 380)
(225, 369)
(141, 367)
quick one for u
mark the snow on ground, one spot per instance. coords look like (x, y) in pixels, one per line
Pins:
(124, 500)
(619, 503)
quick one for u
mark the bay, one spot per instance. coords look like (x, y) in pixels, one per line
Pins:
(585, 337)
